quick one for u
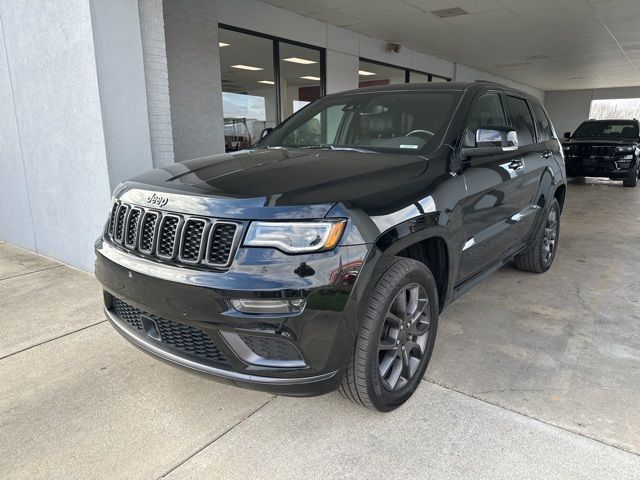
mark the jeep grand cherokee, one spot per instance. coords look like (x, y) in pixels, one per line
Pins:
(604, 148)
(322, 257)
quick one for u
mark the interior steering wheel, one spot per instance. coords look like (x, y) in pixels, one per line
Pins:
(420, 131)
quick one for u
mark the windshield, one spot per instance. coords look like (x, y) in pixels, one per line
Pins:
(607, 128)
(407, 122)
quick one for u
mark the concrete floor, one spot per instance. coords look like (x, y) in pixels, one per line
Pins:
(534, 376)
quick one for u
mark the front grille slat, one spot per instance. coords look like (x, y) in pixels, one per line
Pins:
(191, 245)
(133, 222)
(120, 223)
(148, 232)
(221, 243)
(168, 236)
(179, 336)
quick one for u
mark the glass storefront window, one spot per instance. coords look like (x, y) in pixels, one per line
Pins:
(248, 87)
(372, 74)
(300, 77)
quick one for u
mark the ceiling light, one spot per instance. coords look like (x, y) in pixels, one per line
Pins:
(247, 67)
(267, 82)
(449, 12)
(309, 77)
(365, 73)
(301, 61)
(222, 44)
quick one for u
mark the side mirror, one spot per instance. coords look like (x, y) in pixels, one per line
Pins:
(265, 132)
(567, 135)
(491, 141)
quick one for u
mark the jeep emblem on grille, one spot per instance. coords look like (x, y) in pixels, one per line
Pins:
(157, 200)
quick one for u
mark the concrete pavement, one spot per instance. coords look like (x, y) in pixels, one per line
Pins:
(534, 376)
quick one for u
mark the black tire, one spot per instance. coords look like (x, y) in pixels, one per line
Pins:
(364, 381)
(632, 179)
(538, 259)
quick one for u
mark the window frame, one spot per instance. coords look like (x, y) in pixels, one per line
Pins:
(276, 41)
(474, 102)
(509, 119)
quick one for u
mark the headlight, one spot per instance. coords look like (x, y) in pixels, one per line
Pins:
(625, 148)
(295, 237)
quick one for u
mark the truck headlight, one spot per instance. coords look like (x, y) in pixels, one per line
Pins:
(295, 237)
(625, 148)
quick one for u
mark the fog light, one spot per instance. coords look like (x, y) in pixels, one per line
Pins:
(247, 305)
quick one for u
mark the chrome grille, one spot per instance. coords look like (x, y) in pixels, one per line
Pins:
(171, 237)
(120, 221)
(192, 245)
(168, 233)
(221, 244)
(148, 232)
(132, 228)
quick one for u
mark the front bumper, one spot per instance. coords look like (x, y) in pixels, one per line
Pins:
(181, 299)
(609, 167)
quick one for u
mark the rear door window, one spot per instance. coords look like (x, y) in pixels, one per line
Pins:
(542, 123)
(521, 119)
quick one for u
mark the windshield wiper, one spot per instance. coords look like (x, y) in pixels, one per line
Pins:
(328, 146)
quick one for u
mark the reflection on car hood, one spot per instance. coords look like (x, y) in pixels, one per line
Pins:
(599, 140)
(286, 178)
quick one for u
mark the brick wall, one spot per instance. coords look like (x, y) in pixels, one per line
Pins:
(157, 80)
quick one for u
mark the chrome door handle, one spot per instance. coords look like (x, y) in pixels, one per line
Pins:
(515, 164)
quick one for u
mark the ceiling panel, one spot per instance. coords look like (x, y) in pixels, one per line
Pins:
(548, 44)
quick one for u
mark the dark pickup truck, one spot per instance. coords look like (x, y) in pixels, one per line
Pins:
(604, 148)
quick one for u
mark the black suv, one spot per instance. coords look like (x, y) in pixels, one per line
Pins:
(604, 148)
(322, 257)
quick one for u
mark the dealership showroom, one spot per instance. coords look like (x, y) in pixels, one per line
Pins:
(189, 177)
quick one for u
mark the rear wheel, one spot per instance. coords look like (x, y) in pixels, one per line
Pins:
(395, 339)
(632, 179)
(540, 256)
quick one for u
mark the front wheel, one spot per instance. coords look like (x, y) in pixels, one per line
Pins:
(395, 339)
(632, 179)
(540, 256)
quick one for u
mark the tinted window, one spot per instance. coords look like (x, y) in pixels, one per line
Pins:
(542, 123)
(395, 122)
(521, 120)
(607, 128)
(487, 112)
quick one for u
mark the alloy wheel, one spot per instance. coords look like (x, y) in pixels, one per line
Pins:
(404, 336)
(550, 237)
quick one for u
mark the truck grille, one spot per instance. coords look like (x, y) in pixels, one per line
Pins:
(601, 150)
(173, 237)
(181, 337)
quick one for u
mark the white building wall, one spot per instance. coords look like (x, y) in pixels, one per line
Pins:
(121, 82)
(195, 88)
(157, 81)
(569, 108)
(54, 189)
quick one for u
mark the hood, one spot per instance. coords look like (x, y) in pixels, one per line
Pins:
(278, 183)
(599, 141)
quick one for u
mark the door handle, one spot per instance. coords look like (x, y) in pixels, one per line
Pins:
(546, 154)
(515, 164)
